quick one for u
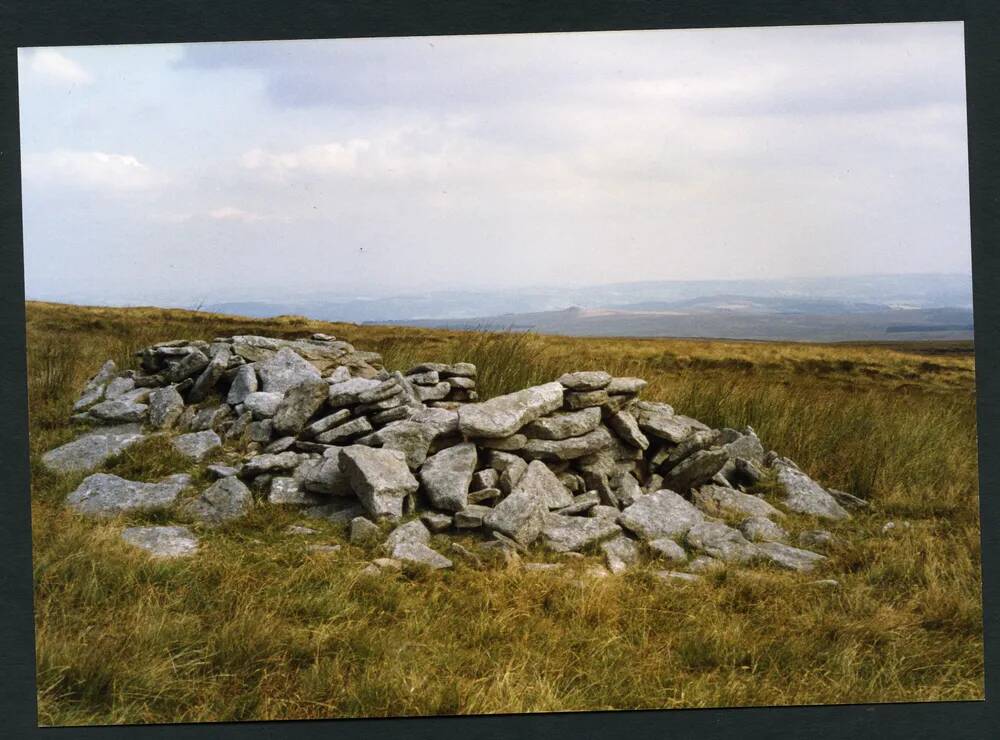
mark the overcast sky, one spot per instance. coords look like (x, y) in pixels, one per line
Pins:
(176, 174)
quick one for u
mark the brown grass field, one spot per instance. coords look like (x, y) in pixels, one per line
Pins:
(255, 628)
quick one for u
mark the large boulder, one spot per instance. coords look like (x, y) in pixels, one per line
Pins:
(103, 496)
(504, 415)
(803, 495)
(447, 475)
(380, 478)
(660, 514)
(91, 449)
(284, 370)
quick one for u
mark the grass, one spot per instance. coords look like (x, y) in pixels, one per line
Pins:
(255, 627)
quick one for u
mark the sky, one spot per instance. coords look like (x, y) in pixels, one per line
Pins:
(195, 173)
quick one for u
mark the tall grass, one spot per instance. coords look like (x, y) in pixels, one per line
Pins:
(255, 627)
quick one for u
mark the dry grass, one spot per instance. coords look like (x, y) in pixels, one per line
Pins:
(257, 628)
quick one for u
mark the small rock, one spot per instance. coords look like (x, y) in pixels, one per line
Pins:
(364, 532)
(585, 399)
(162, 542)
(629, 386)
(563, 425)
(436, 521)
(412, 531)
(260, 464)
(791, 558)
(299, 403)
(816, 538)
(721, 541)
(326, 423)
(627, 428)
(471, 517)
(102, 495)
(620, 553)
(716, 501)
(673, 575)
(298, 529)
(762, 529)
(447, 475)
(416, 552)
(118, 411)
(91, 449)
(223, 501)
(345, 432)
(196, 445)
(261, 404)
(570, 533)
(284, 370)
(221, 471)
(803, 495)
(519, 516)
(165, 407)
(660, 514)
(668, 549)
(244, 383)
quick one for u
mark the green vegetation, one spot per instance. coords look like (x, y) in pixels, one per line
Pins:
(256, 627)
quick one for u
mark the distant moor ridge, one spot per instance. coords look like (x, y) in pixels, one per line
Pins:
(407, 461)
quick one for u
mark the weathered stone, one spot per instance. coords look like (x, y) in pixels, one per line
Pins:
(345, 432)
(288, 491)
(225, 500)
(461, 384)
(337, 511)
(485, 478)
(261, 404)
(261, 464)
(416, 552)
(244, 383)
(816, 538)
(505, 415)
(620, 553)
(660, 514)
(118, 387)
(440, 421)
(196, 445)
(165, 407)
(436, 392)
(721, 541)
(716, 500)
(586, 380)
(102, 495)
(411, 531)
(322, 549)
(348, 392)
(696, 470)
(848, 500)
(397, 413)
(190, 364)
(562, 425)
(411, 438)
(91, 449)
(543, 484)
(428, 377)
(705, 564)
(380, 478)
(209, 376)
(364, 532)
(326, 423)
(505, 444)
(260, 431)
(761, 529)
(569, 449)
(162, 542)
(630, 386)
(221, 471)
(519, 516)
(602, 511)
(93, 391)
(659, 420)
(668, 549)
(210, 417)
(627, 488)
(573, 533)
(328, 477)
(746, 446)
(585, 399)
(118, 411)
(299, 403)
(447, 475)
(284, 370)
(435, 521)
(624, 425)
(790, 558)
(484, 494)
(471, 517)
(282, 444)
(803, 495)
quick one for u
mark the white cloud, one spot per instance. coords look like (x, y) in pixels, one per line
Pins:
(57, 67)
(90, 170)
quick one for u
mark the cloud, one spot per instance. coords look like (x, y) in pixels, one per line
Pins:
(56, 67)
(231, 213)
(101, 171)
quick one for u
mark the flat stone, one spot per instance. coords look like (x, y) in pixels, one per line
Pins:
(282, 444)
(562, 425)
(447, 475)
(674, 576)
(581, 504)
(346, 432)
(696, 470)
(118, 411)
(436, 521)
(659, 420)
(667, 549)
(620, 553)
(91, 449)
(323, 549)
(221, 471)
(192, 363)
(790, 558)
(337, 511)
(585, 399)
(660, 514)
(196, 445)
(471, 517)
(364, 532)
(587, 380)
(484, 494)
(720, 541)
(349, 392)
(287, 491)
(326, 423)
(572, 533)
(630, 386)
(102, 495)
(569, 449)
(602, 511)
(519, 516)
(436, 392)
(848, 500)
(416, 552)
(412, 531)
(162, 542)
(502, 416)
(716, 501)
(439, 421)
(284, 370)
(428, 377)
(803, 495)
(623, 424)
(299, 403)
(380, 478)
(762, 529)
(411, 438)
(328, 477)
(225, 500)
(267, 463)
(261, 404)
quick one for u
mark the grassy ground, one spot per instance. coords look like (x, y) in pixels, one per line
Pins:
(256, 627)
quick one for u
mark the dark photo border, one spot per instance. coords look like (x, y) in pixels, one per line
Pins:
(78, 22)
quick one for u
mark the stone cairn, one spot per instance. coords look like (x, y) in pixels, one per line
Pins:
(577, 464)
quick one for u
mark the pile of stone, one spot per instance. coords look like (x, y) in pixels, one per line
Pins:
(580, 464)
